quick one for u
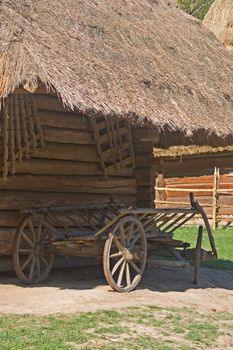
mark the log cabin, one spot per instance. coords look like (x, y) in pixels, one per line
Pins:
(87, 88)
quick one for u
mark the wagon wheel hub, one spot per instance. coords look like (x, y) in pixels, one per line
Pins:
(128, 256)
(125, 254)
(39, 250)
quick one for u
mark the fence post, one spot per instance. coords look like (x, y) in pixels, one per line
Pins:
(215, 198)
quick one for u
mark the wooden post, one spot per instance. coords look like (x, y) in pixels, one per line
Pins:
(215, 198)
(197, 262)
(161, 194)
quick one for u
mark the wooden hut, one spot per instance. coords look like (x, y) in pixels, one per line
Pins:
(87, 88)
(219, 20)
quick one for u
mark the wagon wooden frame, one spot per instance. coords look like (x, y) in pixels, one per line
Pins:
(121, 236)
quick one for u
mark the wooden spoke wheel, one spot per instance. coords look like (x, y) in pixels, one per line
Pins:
(33, 255)
(125, 254)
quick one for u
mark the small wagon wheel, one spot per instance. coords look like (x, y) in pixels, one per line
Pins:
(125, 254)
(33, 255)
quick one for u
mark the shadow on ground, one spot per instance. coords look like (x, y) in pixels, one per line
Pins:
(154, 279)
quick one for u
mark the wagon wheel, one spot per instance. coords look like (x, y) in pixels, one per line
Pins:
(125, 254)
(33, 255)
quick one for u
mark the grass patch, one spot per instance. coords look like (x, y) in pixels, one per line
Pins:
(147, 328)
(223, 241)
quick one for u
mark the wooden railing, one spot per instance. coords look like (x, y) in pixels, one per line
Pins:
(210, 191)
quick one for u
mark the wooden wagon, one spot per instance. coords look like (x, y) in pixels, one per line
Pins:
(121, 236)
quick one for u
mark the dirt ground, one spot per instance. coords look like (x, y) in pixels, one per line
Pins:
(73, 290)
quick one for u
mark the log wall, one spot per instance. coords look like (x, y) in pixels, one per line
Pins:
(196, 173)
(196, 165)
(68, 171)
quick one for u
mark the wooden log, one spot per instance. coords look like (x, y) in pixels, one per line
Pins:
(68, 136)
(10, 218)
(18, 200)
(57, 167)
(64, 120)
(75, 248)
(65, 167)
(141, 203)
(151, 135)
(143, 160)
(6, 241)
(68, 152)
(78, 184)
(144, 180)
(6, 264)
(50, 103)
(195, 166)
(197, 263)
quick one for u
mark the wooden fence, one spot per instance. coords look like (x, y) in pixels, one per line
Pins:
(214, 193)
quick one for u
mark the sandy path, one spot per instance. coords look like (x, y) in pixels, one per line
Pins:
(84, 289)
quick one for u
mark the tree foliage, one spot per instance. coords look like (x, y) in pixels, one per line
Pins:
(196, 8)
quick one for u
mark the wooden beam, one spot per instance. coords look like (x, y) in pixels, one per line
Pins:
(77, 184)
(18, 200)
(64, 119)
(68, 152)
(66, 167)
(57, 167)
(68, 136)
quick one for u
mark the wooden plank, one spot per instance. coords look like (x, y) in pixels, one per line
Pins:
(68, 152)
(57, 167)
(49, 103)
(197, 263)
(68, 136)
(10, 218)
(215, 198)
(6, 241)
(66, 167)
(18, 200)
(78, 184)
(64, 120)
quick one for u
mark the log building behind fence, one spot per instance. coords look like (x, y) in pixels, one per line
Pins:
(211, 185)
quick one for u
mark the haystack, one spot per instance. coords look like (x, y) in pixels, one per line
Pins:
(219, 20)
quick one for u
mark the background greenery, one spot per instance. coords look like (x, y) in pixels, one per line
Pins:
(197, 8)
(223, 241)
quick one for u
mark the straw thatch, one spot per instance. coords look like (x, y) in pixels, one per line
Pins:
(143, 59)
(180, 151)
(219, 20)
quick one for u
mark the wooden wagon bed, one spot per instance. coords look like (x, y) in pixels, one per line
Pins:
(122, 236)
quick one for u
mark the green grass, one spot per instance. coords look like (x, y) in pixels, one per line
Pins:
(223, 241)
(147, 328)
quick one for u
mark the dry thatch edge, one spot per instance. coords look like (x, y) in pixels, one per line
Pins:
(180, 151)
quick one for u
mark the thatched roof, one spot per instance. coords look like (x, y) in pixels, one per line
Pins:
(143, 59)
(219, 20)
(181, 151)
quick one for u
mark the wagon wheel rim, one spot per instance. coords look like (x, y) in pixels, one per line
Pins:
(32, 255)
(125, 254)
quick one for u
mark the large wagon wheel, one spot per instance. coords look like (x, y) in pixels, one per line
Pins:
(33, 255)
(125, 254)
